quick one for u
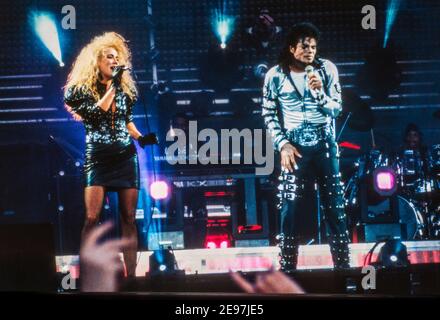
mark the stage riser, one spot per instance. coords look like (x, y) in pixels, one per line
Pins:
(215, 261)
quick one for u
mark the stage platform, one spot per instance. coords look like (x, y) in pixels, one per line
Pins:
(253, 259)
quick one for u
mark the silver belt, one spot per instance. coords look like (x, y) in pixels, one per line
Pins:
(308, 135)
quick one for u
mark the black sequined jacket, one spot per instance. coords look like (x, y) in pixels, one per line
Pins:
(97, 122)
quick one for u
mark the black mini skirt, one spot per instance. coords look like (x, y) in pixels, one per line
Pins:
(114, 166)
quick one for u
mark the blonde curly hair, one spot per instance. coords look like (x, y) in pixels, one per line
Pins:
(85, 71)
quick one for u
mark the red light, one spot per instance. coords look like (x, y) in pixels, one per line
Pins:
(250, 228)
(220, 240)
(349, 145)
(218, 194)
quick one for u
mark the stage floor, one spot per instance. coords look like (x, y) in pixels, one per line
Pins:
(251, 259)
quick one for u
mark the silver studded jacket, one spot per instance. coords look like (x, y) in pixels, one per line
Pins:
(284, 110)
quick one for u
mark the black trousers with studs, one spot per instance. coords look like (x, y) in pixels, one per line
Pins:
(322, 160)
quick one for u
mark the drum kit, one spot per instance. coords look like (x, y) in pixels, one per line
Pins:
(416, 175)
(417, 192)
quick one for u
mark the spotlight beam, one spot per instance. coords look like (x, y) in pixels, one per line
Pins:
(223, 25)
(45, 28)
(392, 10)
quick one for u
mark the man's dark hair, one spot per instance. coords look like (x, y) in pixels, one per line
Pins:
(298, 33)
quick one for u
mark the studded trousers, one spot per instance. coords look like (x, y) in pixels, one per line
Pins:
(322, 160)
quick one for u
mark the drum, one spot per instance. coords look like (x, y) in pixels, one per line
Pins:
(434, 159)
(423, 187)
(412, 219)
(374, 160)
(434, 223)
(409, 168)
(363, 175)
(434, 168)
(395, 217)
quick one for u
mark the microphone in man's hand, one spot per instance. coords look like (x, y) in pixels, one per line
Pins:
(310, 72)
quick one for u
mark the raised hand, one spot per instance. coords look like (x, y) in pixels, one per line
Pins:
(101, 262)
(270, 282)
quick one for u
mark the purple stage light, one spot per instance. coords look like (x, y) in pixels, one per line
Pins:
(159, 190)
(385, 181)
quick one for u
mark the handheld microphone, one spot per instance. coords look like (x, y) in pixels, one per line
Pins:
(121, 68)
(310, 72)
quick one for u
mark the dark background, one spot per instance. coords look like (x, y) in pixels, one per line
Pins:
(36, 145)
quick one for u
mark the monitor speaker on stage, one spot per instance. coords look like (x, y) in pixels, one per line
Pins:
(27, 258)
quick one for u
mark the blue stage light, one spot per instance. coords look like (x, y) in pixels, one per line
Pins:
(45, 28)
(392, 9)
(223, 25)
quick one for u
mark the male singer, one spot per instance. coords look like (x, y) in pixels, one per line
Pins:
(301, 95)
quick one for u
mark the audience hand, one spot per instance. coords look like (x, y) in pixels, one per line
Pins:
(270, 282)
(100, 263)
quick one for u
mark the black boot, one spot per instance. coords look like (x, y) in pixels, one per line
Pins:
(289, 252)
(340, 252)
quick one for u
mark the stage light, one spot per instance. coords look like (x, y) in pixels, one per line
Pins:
(61, 173)
(217, 240)
(45, 28)
(384, 181)
(159, 190)
(392, 9)
(393, 254)
(223, 25)
(163, 262)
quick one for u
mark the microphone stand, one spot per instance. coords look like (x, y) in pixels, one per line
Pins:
(343, 126)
